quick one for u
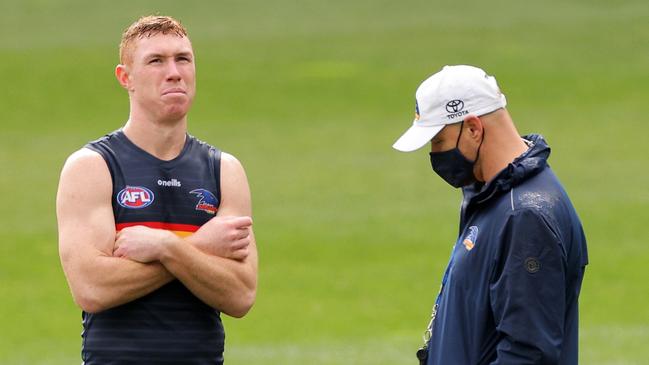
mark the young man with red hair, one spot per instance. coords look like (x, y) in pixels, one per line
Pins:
(155, 228)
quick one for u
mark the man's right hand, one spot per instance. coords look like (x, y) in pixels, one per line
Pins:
(227, 237)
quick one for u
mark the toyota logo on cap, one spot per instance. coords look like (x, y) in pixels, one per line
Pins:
(454, 106)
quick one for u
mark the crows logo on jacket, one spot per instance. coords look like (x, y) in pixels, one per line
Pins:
(471, 238)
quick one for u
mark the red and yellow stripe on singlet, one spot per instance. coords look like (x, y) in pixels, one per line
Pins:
(181, 230)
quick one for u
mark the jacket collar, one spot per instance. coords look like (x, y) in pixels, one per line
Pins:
(530, 163)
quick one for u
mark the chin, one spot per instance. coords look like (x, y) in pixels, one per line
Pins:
(175, 112)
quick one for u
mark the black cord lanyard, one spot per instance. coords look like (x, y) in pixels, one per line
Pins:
(422, 353)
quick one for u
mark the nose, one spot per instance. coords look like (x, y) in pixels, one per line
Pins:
(173, 74)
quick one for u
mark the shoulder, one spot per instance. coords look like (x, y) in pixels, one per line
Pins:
(106, 142)
(85, 184)
(230, 162)
(233, 176)
(84, 158)
(203, 146)
(231, 169)
(235, 191)
(85, 166)
(541, 195)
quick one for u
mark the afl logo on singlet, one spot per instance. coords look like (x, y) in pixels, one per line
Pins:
(135, 197)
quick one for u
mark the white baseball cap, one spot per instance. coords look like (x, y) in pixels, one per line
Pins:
(448, 97)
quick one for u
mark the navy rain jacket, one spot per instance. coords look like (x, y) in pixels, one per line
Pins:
(516, 271)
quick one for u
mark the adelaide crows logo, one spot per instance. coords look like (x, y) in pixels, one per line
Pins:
(470, 239)
(208, 202)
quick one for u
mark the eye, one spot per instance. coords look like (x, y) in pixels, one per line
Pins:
(184, 59)
(154, 60)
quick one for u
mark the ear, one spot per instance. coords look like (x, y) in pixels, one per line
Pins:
(122, 75)
(473, 127)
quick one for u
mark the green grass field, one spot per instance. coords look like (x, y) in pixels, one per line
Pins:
(353, 236)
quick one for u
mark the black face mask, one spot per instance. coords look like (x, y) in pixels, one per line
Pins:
(453, 167)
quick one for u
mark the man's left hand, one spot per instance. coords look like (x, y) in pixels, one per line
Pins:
(140, 243)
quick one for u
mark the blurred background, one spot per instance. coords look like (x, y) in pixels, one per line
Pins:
(309, 95)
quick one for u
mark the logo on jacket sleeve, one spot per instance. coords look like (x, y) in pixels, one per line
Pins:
(471, 238)
(208, 202)
(135, 197)
(532, 265)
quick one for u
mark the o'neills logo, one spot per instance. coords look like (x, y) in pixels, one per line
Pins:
(172, 182)
(455, 108)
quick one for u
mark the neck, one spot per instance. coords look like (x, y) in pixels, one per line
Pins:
(164, 140)
(502, 147)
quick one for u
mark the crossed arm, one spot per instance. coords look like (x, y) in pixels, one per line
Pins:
(105, 269)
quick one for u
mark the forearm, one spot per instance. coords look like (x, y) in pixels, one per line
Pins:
(227, 285)
(107, 281)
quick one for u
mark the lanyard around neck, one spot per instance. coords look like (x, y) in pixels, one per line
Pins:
(429, 330)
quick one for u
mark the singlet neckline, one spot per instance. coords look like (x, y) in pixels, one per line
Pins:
(120, 133)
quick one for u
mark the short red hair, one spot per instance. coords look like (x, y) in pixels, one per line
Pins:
(147, 26)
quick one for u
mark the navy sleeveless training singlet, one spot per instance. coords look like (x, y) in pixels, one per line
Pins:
(169, 325)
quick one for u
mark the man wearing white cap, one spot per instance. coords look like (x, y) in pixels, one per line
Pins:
(510, 291)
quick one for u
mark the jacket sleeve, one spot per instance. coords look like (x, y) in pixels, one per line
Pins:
(527, 291)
